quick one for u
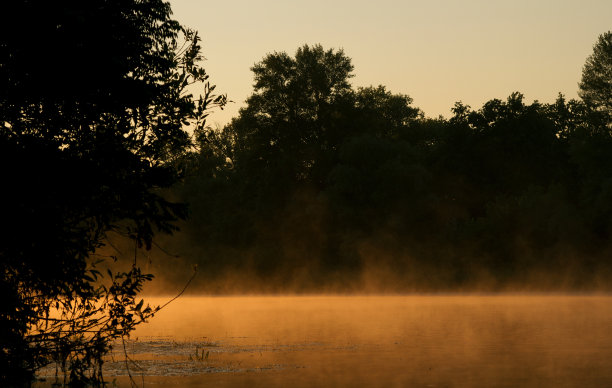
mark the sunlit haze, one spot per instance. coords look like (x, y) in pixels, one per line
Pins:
(416, 194)
(438, 52)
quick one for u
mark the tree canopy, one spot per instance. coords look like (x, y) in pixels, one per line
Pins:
(311, 187)
(596, 82)
(93, 109)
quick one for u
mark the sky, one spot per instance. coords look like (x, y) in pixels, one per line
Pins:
(436, 51)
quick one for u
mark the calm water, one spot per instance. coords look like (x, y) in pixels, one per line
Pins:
(386, 341)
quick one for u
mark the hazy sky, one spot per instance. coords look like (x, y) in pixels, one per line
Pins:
(436, 51)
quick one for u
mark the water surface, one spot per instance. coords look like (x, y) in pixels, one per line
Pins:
(374, 341)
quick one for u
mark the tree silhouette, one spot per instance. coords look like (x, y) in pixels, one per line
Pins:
(285, 127)
(596, 82)
(496, 192)
(87, 141)
(315, 178)
(281, 155)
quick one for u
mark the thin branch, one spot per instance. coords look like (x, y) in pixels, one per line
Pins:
(195, 271)
(163, 250)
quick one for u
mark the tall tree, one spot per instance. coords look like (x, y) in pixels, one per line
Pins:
(276, 165)
(93, 104)
(286, 121)
(596, 83)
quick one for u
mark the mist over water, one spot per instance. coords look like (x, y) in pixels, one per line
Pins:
(377, 273)
(329, 235)
(374, 341)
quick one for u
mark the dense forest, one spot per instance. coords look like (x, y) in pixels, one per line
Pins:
(320, 186)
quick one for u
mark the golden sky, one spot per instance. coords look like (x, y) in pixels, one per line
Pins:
(436, 51)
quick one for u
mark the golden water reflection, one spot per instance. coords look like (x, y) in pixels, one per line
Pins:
(378, 341)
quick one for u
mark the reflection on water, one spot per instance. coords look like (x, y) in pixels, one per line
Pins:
(375, 341)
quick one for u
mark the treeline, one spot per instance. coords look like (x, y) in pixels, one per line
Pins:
(318, 186)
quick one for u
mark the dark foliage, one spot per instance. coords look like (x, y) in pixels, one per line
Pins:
(315, 183)
(93, 104)
(596, 82)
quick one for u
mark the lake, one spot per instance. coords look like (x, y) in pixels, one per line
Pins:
(373, 341)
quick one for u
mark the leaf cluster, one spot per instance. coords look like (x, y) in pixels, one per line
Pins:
(95, 101)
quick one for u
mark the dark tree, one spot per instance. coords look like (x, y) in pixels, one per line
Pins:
(596, 83)
(93, 104)
(271, 173)
(285, 124)
(314, 178)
